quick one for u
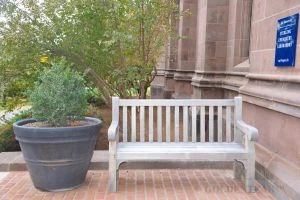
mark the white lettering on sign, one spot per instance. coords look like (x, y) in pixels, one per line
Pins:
(284, 45)
(283, 60)
(285, 39)
(285, 32)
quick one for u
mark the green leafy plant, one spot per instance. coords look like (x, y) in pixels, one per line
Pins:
(105, 40)
(59, 96)
(94, 96)
(6, 130)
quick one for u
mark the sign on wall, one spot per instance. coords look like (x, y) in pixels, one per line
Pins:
(286, 41)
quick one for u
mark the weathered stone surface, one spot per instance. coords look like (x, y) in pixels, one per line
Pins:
(13, 161)
(238, 36)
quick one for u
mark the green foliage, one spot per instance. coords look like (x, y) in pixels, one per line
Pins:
(59, 95)
(6, 130)
(6, 136)
(94, 96)
(105, 40)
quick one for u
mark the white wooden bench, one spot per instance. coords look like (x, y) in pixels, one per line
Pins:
(188, 142)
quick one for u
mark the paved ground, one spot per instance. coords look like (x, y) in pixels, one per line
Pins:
(141, 184)
(2, 175)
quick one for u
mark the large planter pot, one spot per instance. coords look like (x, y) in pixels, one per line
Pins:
(57, 158)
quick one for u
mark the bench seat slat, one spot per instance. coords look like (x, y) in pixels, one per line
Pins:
(181, 151)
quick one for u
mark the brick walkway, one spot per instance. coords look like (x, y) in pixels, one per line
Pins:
(141, 184)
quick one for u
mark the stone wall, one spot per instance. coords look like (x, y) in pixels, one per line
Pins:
(228, 49)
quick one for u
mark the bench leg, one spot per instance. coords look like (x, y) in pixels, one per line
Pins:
(113, 176)
(238, 169)
(250, 175)
(113, 171)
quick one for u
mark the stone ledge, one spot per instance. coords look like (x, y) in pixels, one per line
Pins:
(275, 77)
(13, 161)
(277, 175)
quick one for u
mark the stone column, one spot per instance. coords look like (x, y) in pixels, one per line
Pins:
(186, 49)
(163, 85)
(239, 24)
(211, 56)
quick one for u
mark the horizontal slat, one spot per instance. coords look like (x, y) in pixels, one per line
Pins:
(141, 145)
(180, 151)
(168, 102)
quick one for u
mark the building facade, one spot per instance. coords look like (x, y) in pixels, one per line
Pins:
(227, 48)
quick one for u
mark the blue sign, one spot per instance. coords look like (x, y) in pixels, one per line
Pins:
(286, 41)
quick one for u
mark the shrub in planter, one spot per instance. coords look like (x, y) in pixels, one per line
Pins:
(58, 142)
(59, 96)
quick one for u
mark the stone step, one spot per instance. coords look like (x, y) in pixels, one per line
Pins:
(13, 161)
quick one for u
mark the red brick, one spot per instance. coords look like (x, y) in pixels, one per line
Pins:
(141, 184)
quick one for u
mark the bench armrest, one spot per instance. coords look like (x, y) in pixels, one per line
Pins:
(249, 131)
(113, 130)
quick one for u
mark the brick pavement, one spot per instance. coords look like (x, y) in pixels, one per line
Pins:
(141, 184)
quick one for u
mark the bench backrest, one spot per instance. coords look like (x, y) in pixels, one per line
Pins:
(169, 120)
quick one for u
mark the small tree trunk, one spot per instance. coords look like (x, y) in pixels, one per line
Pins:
(101, 85)
(143, 89)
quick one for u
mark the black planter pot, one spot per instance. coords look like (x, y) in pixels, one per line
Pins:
(57, 158)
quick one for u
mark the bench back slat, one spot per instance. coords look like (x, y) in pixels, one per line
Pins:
(168, 124)
(124, 123)
(150, 123)
(228, 124)
(195, 120)
(142, 124)
(133, 124)
(202, 124)
(185, 124)
(237, 116)
(194, 124)
(159, 124)
(176, 123)
(211, 123)
(220, 123)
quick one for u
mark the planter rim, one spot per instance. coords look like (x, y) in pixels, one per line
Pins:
(21, 123)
